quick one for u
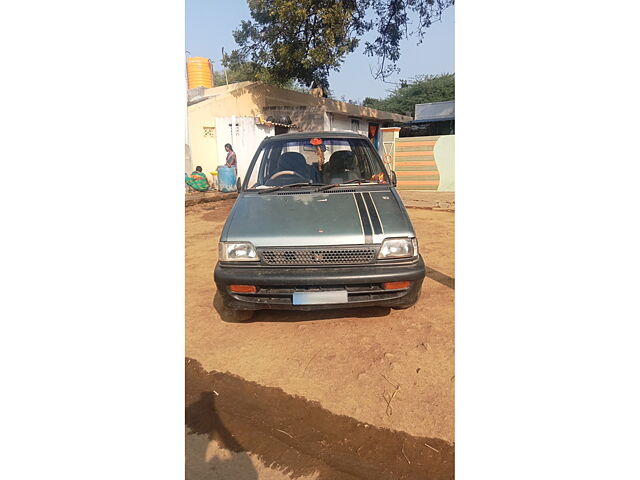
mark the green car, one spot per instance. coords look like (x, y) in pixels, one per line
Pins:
(318, 224)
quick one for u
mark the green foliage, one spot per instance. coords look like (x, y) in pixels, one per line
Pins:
(241, 71)
(424, 89)
(305, 40)
(296, 39)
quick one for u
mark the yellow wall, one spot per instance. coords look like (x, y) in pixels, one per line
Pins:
(225, 103)
(247, 99)
(202, 148)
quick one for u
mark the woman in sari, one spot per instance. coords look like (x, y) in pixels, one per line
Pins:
(231, 155)
(198, 180)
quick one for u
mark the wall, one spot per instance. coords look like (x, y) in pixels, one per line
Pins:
(343, 122)
(202, 139)
(206, 149)
(425, 163)
(249, 100)
(444, 152)
(304, 119)
(245, 138)
(280, 96)
(188, 166)
(386, 145)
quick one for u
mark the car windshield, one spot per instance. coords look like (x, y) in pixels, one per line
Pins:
(317, 161)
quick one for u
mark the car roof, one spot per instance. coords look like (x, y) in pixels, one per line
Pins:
(305, 135)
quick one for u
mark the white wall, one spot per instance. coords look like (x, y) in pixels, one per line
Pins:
(343, 122)
(245, 138)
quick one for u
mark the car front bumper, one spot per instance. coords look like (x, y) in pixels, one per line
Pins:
(276, 285)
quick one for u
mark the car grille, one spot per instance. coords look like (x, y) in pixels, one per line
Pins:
(319, 256)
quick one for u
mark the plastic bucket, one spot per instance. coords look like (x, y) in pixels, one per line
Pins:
(227, 179)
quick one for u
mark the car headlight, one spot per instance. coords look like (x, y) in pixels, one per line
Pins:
(237, 252)
(398, 248)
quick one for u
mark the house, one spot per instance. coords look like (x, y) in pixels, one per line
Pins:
(244, 113)
(422, 152)
(437, 118)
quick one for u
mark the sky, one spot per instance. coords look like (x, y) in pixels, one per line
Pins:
(210, 23)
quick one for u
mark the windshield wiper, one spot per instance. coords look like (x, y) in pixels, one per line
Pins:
(327, 187)
(333, 185)
(358, 180)
(291, 185)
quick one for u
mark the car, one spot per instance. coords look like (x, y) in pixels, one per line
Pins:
(317, 224)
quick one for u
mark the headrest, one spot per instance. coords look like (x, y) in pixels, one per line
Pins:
(292, 161)
(341, 160)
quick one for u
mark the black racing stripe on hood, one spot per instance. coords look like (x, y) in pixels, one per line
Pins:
(366, 223)
(375, 219)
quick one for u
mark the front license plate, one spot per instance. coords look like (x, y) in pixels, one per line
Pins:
(320, 298)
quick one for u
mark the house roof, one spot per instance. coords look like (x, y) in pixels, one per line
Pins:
(435, 111)
(273, 96)
(432, 120)
(322, 134)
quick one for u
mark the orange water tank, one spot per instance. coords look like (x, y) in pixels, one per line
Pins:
(199, 72)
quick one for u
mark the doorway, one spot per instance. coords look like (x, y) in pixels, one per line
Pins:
(373, 134)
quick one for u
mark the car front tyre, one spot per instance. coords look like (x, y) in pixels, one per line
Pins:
(229, 315)
(411, 303)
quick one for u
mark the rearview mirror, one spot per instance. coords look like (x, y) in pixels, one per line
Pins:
(394, 179)
(238, 185)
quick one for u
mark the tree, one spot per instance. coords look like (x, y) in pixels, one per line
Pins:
(423, 89)
(241, 71)
(306, 39)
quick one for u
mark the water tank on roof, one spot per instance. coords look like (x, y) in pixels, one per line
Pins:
(199, 72)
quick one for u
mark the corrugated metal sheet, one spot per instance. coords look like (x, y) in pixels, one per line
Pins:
(435, 111)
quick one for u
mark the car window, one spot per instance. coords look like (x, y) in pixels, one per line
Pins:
(315, 160)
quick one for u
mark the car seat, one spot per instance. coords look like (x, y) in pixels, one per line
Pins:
(341, 167)
(295, 162)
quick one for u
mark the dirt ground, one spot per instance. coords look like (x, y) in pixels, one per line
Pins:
(344, 362)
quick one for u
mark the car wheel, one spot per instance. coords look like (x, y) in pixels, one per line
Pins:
(402, 307)
(237, 316)
(415, 299)
(229, 315)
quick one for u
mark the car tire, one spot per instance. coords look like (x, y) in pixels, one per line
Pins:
(415, 299)
(402, 307)
(229, 315)
(237, 316)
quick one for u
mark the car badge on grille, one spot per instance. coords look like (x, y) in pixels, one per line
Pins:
(318, 257)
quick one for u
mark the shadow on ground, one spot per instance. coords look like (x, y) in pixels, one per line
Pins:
(205, 425)
(440, 277)
(299, 437)
(333, 314)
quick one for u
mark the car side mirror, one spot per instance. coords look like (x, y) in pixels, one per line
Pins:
(394, 179)
(238, 185)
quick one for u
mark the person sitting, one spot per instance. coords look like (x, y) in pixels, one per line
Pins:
(198, 180)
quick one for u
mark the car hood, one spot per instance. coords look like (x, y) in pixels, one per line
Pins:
(317, 218)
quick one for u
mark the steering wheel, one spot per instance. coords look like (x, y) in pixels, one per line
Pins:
(287, 172)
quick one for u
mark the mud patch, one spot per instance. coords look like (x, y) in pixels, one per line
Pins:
(300, 437)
